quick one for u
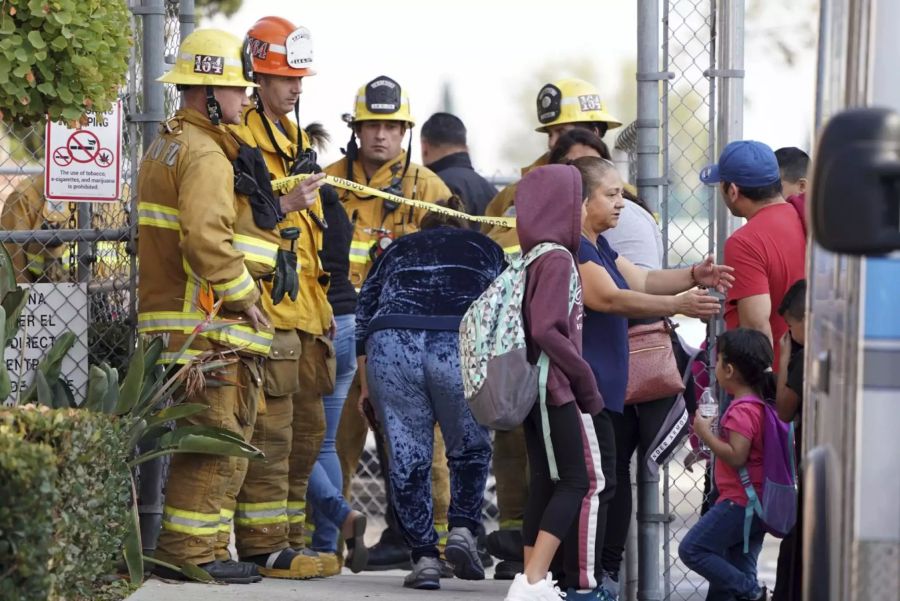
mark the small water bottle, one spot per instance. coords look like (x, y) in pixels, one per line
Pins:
(708, 407)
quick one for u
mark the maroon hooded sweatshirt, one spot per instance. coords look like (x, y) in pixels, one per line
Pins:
(548, 209)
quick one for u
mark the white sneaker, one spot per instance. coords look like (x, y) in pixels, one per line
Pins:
(544, 590)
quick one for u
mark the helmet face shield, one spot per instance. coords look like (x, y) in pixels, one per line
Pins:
(383, 96)
(299, 49)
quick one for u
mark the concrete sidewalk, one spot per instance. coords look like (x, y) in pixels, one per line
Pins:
(347, 587)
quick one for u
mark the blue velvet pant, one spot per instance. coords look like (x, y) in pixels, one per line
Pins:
(414, 379)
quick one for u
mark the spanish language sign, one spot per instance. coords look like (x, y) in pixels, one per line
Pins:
(52, 309)
(85, 164)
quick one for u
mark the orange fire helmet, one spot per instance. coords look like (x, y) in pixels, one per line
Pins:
(278, 47)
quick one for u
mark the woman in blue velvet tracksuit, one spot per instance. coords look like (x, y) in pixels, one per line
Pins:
(407, 336)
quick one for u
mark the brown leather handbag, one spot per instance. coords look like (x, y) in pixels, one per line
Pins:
(652, 369)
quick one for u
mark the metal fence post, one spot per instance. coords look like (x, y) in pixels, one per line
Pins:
(648, 182)
(730, 121)
(153, 15)
(186, 18)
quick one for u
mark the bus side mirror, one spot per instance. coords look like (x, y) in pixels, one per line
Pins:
(856, 183)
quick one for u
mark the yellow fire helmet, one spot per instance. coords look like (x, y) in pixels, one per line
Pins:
(382, 99)
(571, 101)
(211, 57)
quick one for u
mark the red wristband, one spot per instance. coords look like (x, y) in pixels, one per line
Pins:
(693, 279)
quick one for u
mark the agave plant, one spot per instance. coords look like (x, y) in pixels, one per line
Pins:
(149, 399)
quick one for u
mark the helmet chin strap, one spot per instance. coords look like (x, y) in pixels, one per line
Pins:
(213, 108)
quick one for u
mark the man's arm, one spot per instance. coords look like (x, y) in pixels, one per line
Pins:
(754, 312)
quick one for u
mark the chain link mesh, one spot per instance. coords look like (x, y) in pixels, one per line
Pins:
(85, 282)
(687, 217)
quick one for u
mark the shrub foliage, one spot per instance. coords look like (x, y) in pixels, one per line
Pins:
(62, 57)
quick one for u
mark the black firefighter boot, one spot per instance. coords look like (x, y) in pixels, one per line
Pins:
(226, 571)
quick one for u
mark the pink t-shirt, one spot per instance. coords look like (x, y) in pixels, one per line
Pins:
(745, 419)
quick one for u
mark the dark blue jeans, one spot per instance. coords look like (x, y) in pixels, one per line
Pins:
(330, 509)
(414, 379)
(714, 548)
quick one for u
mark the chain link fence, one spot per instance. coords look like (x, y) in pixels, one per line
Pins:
(77, 258)
(688, 217)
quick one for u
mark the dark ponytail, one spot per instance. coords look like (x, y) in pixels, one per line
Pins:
(751, 354)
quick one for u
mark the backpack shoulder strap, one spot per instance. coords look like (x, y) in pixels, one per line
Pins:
(544, 360)
(753, 506)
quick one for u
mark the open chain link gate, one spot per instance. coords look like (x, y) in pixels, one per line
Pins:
(690, 105)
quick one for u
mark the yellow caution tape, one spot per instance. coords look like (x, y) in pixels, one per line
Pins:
(287, 183)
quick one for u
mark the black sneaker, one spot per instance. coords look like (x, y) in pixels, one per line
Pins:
(462, 554)
(506, 545)
(388, 556)
(226, 571)
(507, 569)
(425, 575)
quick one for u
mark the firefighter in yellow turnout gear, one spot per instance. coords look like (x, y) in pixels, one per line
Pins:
(381, 118)
(561, 106)
(271, 505)
(202, 246)
(26, 208)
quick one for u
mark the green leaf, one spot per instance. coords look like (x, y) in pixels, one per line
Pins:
(173, 438)
(52, 362)
(176, 412)
(7, 271)
(152, 354)
(217, 446)
(44, 394)
(137, 434)
(98, 386)
(36, 40)
(46, 89)
(13, 304)
(22, 55)
(71, 113)
(65, 94)
(130, 392)
(63, 17)
(5, 382)
(7, 25)
(134, 557)
(112, 392)
(59, 43)
(62, 393)
(195, 573)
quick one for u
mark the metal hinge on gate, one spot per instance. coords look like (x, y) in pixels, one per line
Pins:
(655, 76)
(724, 73)
(656, 518)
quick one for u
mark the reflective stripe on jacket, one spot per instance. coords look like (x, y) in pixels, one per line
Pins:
(369, 215)
(198, 241)
(311, 311)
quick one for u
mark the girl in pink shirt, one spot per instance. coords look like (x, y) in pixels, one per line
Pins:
(714, 546)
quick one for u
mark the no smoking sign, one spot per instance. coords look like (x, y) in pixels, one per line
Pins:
(85, 164)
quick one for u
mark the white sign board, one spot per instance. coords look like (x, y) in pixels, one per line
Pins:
(52, 310)
(85, 164)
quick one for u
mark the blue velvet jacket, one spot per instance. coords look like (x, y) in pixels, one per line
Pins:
(426, 281)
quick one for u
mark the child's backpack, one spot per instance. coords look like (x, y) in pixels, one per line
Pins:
(778, 506)
(501, 385)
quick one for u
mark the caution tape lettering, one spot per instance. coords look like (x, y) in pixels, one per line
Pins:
(285, 184)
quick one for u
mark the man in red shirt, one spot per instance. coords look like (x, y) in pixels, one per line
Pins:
(768, 253)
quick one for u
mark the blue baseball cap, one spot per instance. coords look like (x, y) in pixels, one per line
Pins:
(746, 163)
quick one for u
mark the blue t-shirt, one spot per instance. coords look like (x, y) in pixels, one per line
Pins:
(606, 335)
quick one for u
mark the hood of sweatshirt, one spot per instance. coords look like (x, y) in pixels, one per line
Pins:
(548, 207)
